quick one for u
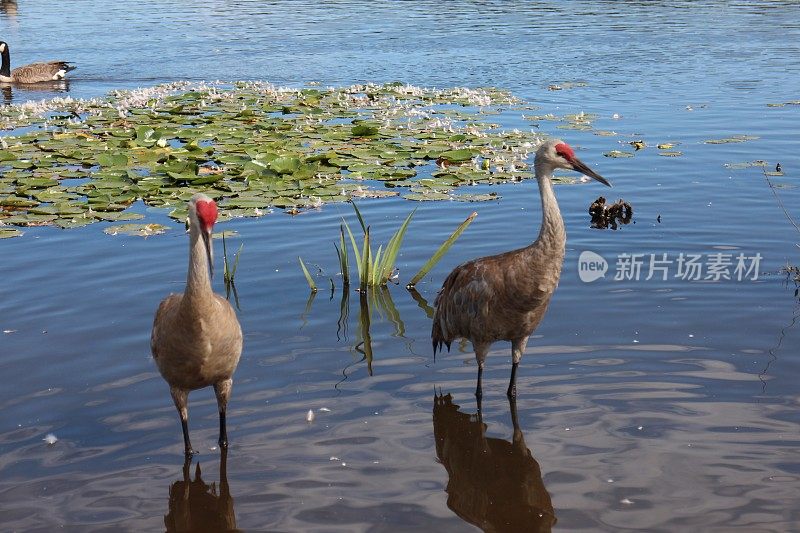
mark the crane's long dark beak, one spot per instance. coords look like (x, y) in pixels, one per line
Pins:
(581, 167)
(209, 251)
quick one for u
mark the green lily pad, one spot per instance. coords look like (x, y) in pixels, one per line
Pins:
(476, 197)
(364, 130)
(7, 233)
(284, 164)
(426, 196)
(138, 230)
(732, 139)
(461, 155)
(746, 164)
(618, 153)
(112, 160)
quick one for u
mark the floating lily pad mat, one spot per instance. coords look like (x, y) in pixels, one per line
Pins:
(251, 146)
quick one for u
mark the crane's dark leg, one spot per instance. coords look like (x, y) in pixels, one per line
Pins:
(512, 383)
(223, 391)
(479, 388)
(187, 482)
(517, 349)
(480, 355)
(181, 399)
(518, 439)
(512, 406)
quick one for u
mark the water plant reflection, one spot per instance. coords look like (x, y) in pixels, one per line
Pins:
(376, 298)
(197, 506)
(371, 301)
(493, 483)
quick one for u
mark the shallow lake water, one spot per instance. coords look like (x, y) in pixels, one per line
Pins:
(656, 404)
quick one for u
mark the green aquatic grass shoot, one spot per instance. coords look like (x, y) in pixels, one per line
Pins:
(356, 251)
(358, 214)
(375, 269)
(344, 262)
(385, 267)
(309, 279)
(445, 246)
(366, 259)
(229, 272)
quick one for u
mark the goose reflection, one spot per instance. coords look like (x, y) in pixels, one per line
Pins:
(195, 505)
(36, 90)
(8, 8)
(493, 483)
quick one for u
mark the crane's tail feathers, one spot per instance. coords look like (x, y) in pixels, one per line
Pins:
(437, 346)
(438, 339)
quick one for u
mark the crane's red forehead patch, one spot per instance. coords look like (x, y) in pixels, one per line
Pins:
(206, 212)
(565, 150)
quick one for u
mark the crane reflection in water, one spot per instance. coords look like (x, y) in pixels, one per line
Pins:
(195, 505)
(493, 483)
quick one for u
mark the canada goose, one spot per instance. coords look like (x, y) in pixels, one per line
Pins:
(33, 73)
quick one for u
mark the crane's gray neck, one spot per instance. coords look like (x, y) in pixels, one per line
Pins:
(552, 234)
(5, 68)
(198, 280)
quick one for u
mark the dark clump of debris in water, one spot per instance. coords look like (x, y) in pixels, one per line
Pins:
(606, 216)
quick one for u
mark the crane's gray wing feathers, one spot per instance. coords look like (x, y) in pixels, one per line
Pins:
(465, 298)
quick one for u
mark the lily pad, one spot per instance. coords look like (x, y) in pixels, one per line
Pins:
(746, 164)
(137, 230)
(488, 197)
(732, 139)
(7, 233)
(461, 155)
(618, 153)
(426, 196)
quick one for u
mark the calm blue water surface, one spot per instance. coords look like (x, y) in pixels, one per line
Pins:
(657, 405)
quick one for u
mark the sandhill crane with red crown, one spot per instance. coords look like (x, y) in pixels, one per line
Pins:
(505, 296)
(196, 340)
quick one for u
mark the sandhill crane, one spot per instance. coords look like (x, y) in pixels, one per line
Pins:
(493, 483)
(196, 339)
(505, 296)
(33, 73)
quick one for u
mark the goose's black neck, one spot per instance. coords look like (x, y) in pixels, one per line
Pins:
(5, 69)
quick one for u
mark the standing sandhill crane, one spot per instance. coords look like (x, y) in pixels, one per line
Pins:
(505, 296)
(33, 73)
(196, 339)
